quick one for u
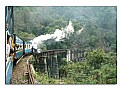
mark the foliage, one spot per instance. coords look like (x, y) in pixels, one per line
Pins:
(99, 24)
(52, 44)
(98, 69)
(44, 79)
(96, 58)
(25, 36)
(42, 47)
(103, 71)
(99, 33)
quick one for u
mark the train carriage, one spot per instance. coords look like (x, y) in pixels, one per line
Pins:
(9, 43)
(28, 47)
(15, 47)
(18, 48)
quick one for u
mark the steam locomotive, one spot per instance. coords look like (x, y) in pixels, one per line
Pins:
(15, 47)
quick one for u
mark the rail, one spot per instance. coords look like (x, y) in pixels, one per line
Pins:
(31, 79)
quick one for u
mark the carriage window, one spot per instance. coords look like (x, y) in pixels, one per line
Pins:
(17, 46)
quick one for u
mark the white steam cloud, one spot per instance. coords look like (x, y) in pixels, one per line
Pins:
(57, 35)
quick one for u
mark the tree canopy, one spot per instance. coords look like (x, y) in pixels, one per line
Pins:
(99, 34)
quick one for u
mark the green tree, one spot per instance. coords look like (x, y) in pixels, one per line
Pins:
(42, 47)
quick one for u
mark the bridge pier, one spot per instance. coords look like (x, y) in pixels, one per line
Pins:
(68, 56)
(54, 70)
(47, 62)
(51, 66)
(56, 65)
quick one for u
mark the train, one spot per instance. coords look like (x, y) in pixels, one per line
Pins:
(15, 47)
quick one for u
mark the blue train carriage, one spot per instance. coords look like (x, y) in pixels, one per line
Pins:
(28, 47)
(18, 48)
(10, 55)
(9, 19)
(10, 43)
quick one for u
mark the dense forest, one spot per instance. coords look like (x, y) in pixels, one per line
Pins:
(99, 34)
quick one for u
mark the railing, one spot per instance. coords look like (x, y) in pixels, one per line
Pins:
(31, 79)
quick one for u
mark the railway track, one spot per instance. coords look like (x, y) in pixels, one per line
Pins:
(22, 72)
